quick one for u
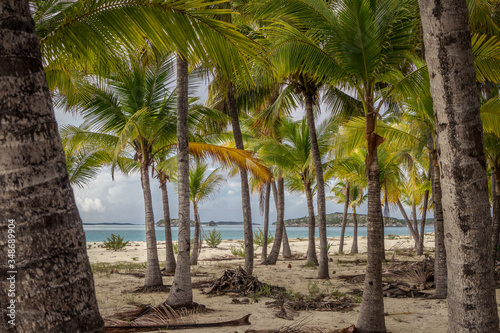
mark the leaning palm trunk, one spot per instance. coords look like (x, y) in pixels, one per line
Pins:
(181, 291)
(440, 270)
(266, 220)
(280, 222)
(169, 247)
(153, 273)
(420, 248)
(318, 168)
(354, 247)
(311, 246)
(409, 223)
(471, 286)
(371, 314)
(287, 252)
(245, 190)
(55, 287)
(196, 237)
(344, 218)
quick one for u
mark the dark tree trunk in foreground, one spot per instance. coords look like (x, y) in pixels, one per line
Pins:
(371, 314)
(54, 287)
(266, 220)
(279, 194)
(440, 270)
(471, 286)
(181, 291)
(245, 190)
(196, 237)
(496, 207)
(169, 246)
(354, 247)
(344, 218)
(320, 185)
(311, 246)
(153, 273)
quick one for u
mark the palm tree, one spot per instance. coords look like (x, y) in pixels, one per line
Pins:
(459, 139)
(202, 185)
(37, 200)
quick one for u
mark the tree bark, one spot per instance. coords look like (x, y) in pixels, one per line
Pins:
(54, 283)
(266, 220)
(245, 190)
(181, 291)
(440, 269)
(471, 287)
(496, 208)
(320, 186)
(153, 273)
(344, 218)
(169, 246)
(311, 246)
(371, 315)
(354, 247)
(196, 237)
(280, 222)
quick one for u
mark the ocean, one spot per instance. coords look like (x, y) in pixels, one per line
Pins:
(136, 232)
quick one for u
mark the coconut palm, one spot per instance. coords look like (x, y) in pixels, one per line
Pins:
(466, 209)
(37, 197)
(202, 185)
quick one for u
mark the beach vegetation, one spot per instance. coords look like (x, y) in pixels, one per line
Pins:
(115, 242)
(258, 238)
(213, 238)
(238, 251)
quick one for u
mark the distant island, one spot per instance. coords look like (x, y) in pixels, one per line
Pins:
(109, 223)
(175, 223)
(332, 220)
(335, 220)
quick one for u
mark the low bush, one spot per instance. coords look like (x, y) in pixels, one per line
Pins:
(115, 242)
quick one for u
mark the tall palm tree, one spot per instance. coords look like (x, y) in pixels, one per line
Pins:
(459, 139)
(134, 106)
(202, 185)
(37, 201)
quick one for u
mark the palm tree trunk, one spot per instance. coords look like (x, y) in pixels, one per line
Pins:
(471, 286)
(415, 223)
(354, 247)
(371, 315)
(245, 190)
(440, 270)
(344, 218)
(320, 186)
(153, 273)
(266, 220)
(278, 193)
(196, 241)
(181, 291)
(169, 247)
(311, 246)
(420, 248)
(408, 222)
(287, 252)
(37, 197)
(496, 207)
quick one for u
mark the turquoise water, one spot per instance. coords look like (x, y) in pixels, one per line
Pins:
(99, 233)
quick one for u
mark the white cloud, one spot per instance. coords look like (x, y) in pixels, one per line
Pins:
(88, 204)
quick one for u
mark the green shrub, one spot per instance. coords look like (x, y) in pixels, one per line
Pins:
(213, 238)
(176, 247)
(238, 252)
(389, 236)
(115, 242)
(258, 238)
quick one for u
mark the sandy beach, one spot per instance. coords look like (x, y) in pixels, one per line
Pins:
(115, 288)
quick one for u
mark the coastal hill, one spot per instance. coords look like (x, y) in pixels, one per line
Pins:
(332, 220)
